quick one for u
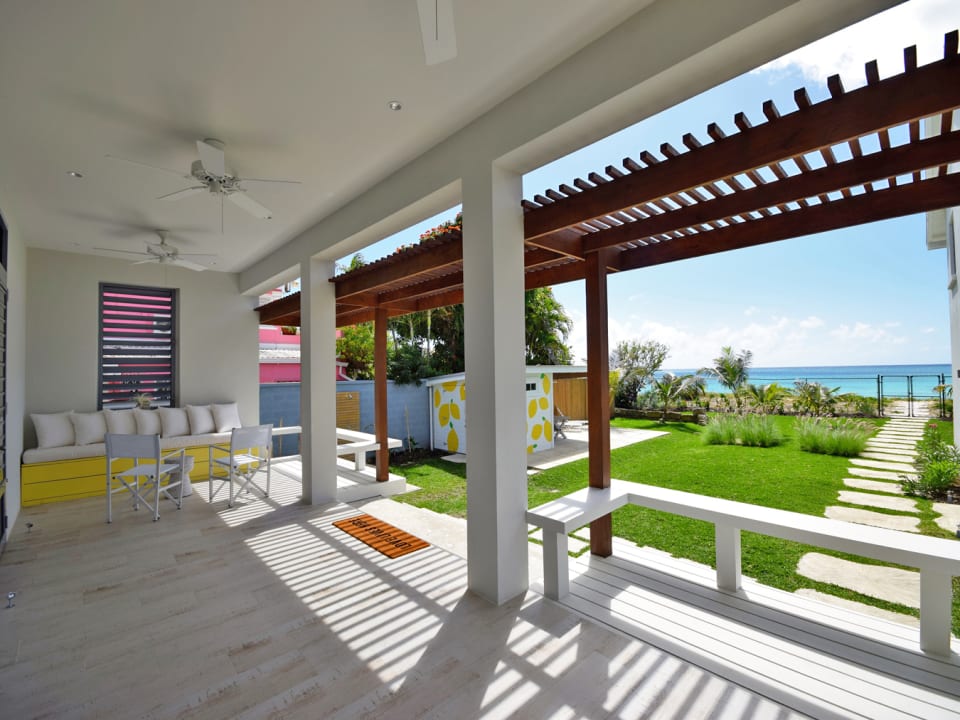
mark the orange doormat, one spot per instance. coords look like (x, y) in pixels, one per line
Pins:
(392, 542)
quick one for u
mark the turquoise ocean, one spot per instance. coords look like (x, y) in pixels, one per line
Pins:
(860, 379)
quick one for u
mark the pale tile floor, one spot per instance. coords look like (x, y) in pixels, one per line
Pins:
(266, 611)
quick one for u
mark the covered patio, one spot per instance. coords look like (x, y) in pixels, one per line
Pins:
(268, 610)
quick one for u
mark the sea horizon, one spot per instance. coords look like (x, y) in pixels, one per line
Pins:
(899, 380)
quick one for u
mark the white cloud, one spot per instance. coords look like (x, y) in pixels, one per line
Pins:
(811, 323)
(752, 310)
(881, 37)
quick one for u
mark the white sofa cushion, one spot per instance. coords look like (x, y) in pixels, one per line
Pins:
(201, 419)
(53, 429)
(120, 422)
(80, 452)
(226, 417)
(174, 422)
(148, 421)
(88, 428)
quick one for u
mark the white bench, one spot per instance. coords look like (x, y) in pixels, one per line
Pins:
(937, 559)
(358, 444)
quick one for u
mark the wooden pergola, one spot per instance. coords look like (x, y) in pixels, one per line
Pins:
(855, 157)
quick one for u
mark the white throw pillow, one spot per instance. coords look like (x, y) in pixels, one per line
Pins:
(88, 428)
(201, 419)
(226, 416)
(174, 422)
(148, 421)
(53, 429)
(120, 422)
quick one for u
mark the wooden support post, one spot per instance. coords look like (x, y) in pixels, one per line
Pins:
(380, 393)
(727, 539)
(598, 394)
(936, 592)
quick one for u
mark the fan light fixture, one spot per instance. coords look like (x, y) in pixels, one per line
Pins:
(77, 175)
(395, 105)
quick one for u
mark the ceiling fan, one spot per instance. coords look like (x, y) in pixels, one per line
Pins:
(213, 176)
(163, 253)
(436, 28)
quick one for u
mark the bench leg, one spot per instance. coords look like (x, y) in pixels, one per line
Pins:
(936, 593)
(728, 557)
(360, 460)
(556, 566)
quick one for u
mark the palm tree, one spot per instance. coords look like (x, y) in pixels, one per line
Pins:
(815, 398)
(765, 397)
(731, 370)
(669, 388)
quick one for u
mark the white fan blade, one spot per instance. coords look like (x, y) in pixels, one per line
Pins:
(128, 252)
(436, 27)
(186, 264)
(144, 262)
(288, 182)
(241, 199)
(186, 192)
(146, 165)
(211, 157)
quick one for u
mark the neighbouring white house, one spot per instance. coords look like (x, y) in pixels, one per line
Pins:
(448, 408)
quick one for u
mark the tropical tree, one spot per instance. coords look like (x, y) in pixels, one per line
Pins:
(547, 328)
(670, 388)
(637, 362)
(815, 398)
(731, 369)
(355, 347)
(765, 397)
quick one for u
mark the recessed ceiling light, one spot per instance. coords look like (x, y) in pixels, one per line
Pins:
(75, 174)
(394, 105)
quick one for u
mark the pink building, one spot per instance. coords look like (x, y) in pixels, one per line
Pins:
(280, 356)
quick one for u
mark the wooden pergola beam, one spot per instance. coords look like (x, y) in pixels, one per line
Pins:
(933, 194)
(447, 253)
(917, 94)
(901, 160)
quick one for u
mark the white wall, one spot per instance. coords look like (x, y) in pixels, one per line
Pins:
(217, 344)
(952, 237)
(16, 363)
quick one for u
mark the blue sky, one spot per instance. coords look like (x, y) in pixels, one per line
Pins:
(871, 294)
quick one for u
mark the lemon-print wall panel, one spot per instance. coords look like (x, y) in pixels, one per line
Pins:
(539, 412)
(448, 408)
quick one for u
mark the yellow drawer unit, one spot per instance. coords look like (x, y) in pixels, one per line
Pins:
(47, 482)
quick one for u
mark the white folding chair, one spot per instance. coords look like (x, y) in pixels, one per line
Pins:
(247, 456)
(144, 452)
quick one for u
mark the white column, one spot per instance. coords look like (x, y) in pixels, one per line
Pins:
(318, 387)
(495, 383)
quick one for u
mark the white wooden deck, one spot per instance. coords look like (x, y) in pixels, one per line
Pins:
(815, 658)
(264, 610)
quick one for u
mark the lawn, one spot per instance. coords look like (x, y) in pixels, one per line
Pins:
(779, 477)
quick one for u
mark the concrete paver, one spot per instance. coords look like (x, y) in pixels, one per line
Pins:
(891, 584)
(887, 502)
(875, 485)
(906, 523)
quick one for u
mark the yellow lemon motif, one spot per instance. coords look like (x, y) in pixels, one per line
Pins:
(444, 415)
(532, 408)
(436, 397)
(536, 431)
(546, 383)
(449, 386)
(543, 403)
(454, 410)
(547, 429)
(463, 391)
(530, 449)
(453, 442)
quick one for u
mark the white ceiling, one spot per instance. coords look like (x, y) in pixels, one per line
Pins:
(297, 89)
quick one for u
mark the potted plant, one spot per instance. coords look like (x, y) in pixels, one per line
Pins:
(143, 400)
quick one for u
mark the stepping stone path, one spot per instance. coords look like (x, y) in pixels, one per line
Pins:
(877, 470)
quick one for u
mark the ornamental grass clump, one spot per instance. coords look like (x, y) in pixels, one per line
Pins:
(749, 430)
(937, 463)
(833, 436)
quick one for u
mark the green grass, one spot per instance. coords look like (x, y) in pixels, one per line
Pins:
(779, 477)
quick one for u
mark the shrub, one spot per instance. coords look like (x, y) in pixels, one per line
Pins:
(749, 430)
(937, 463)
(837, 436)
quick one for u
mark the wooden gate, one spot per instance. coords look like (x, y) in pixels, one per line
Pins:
(348, 410)
(570, 397)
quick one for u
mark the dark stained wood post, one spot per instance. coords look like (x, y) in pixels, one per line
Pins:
(380, 392)
(598, 394)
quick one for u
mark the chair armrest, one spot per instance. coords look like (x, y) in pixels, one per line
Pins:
(178, 454)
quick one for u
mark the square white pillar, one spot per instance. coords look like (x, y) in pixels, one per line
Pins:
(318, 386)
(493, 294)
